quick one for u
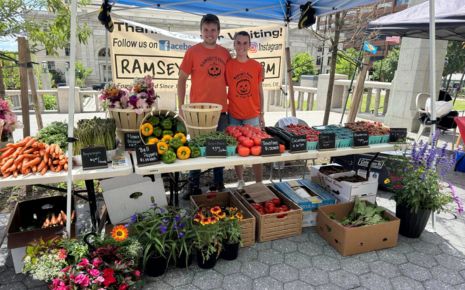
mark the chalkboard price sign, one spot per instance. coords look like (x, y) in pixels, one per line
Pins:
(146, 155)
(298, 144)
(397, 135)
(361, 139)
(270, 146)
(215, 148)
(326, 141)
(131, 140)
(94, 158)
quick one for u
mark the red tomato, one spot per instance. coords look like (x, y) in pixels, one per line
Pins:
(247, 142)
(276, 201)
(243, 151)
(256, 150)
(284, 208)
(261, 211)
(270, 207)
(241, 138)
(281, 148)
(257, 141)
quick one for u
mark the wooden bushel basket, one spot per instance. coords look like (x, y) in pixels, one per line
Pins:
(127, 120)
(201, 118)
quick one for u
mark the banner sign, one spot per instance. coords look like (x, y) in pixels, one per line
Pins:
(138, 50)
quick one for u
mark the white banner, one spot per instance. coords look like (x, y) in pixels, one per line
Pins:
(138, 50)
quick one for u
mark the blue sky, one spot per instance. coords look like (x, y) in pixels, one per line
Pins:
(8, 44)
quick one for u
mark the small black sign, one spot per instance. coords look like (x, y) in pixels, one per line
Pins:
(326, 141)
(131, 140)
(94, 158)
(298, 144)
(146, 155)
(270, 146)
(215, 148)
(360, 139)
(398, 135)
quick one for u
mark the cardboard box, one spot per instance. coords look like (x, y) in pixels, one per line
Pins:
(127, 195)
(225, 199)
(275, 226)
(25, 225)
(355, 240)
(309, 218)
(305, 193)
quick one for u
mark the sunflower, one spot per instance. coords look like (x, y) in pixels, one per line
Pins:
(239, 216)
(215, 210)
(119, 233)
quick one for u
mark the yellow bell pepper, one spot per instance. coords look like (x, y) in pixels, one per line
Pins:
(166, 138)
(146, 129)
(181, 136)
(183, 152)
(152, 140)
(162, 147)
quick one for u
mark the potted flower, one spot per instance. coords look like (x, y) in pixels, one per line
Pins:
(230, 218)
(151, 229)
(181, 236)
(418, 182)
(8, 123)
(208, 237)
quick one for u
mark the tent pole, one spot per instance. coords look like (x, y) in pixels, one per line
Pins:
(105, 71)
(288, 67)
(432, 64)
(71, 97)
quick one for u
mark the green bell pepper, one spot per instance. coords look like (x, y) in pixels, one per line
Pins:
(154, 120)
(169, 157)
(195, 151)
(157, 132)
(175, 143)
(168, 132)
(167, 124)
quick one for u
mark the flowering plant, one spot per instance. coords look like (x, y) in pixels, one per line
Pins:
(230, 218)
(419, 179)
(8, 120)
(207, 228)
(141, 96)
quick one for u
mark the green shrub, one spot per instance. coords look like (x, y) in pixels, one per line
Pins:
(302, 64)
(50, 102)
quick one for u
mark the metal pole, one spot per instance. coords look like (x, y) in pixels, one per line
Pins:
(105, 71)
(432, 64)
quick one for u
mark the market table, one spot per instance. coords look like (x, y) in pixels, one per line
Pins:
(78, 174)
(203, 163)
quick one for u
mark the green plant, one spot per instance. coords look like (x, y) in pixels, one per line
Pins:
(230, 225)
(418, 179)
(93, 132)
(364, 214)
(50, 102)
(180, 233)
(44, 259)
(302, 64)
(347, 61)
(55, 133)
(202, 139)
(208, 234)
(384, 69)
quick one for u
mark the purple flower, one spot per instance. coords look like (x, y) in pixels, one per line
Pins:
(163, 229)
(165, 220)
(177, 218)
(456, 199)
(180, 235)
(133, 100)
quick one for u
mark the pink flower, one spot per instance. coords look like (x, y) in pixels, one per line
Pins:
(62, 254)
(398, 186)
(123, 286)
(96, 262)
(82, 280)
(94, 272)
(137, 273)
(84, 262)
(99, 280)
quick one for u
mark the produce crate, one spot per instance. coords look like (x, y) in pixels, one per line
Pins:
(355, 240)
(311, 145)
(378, 139)
(342, 143)
(275, 226)
(224, 199)
(306, 194)
(230, 150)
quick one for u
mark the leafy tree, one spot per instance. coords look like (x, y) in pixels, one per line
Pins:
(347, 61)
(82, 73)
(302, 64)
(383, 70)
(455, 60)
(57, 77)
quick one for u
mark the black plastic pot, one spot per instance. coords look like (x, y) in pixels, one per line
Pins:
(412, 224)
(182, 261)
(207, 264)
(230, 251)
(156, 266)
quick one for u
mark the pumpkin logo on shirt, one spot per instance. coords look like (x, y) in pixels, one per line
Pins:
(214, 70)
(243, 88)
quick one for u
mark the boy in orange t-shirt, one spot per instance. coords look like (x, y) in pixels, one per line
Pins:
(244, 77)
(206, 64)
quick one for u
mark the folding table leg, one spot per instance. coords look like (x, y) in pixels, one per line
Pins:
(92, 204)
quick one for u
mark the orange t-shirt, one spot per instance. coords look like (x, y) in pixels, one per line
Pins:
(244, 80)
(206, 67)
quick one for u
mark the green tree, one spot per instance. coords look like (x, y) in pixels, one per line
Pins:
(302, 64)
(347, 61)
(455, 58)
(383, 70)
(82, 73)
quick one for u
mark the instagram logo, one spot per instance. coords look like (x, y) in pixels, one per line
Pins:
(253, 47)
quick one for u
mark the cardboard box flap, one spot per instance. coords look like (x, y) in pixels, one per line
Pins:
(258, 193)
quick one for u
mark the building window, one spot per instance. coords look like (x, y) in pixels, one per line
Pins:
(66, 51)
(318, 60)
(51, 65)
(101, 52)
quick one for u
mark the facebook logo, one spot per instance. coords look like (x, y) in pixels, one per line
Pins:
(164, 44)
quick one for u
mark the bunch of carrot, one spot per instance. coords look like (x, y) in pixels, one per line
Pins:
(31, 156)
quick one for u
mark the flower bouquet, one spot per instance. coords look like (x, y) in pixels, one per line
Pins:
(8, 121)
(419, 181)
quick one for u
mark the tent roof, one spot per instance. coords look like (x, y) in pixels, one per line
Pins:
(278, 10)
(414, 21)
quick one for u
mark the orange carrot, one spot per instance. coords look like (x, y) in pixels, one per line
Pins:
(30, 142)
(44, 170)
(7, 164)
(7, 153)
(31, 163)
